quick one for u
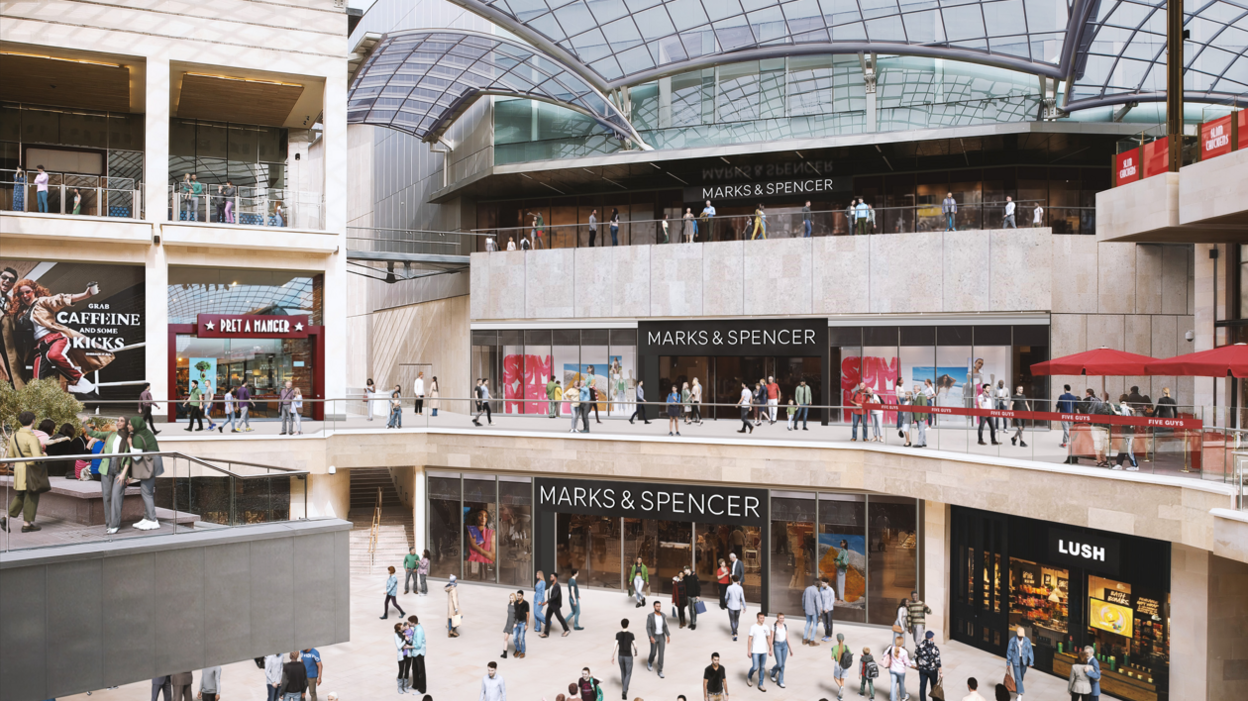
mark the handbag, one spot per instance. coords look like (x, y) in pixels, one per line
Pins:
(898, 629)
(36, 473)
(457, 620)
(938, 690)
(1009, 681)
(699, 607)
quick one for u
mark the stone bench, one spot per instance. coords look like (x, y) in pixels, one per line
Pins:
(82, 502)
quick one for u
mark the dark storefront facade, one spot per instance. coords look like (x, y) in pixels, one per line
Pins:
(501, 529)
(1068, 587)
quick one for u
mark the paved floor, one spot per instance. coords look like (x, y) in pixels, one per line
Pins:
(1043, 445)
(365, 667)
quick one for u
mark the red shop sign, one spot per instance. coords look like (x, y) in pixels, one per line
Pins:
(1156, 157)
(1127, 166)
(1215, 138)
(1104, 419)
(251, 326)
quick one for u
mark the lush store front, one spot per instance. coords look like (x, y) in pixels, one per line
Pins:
(227, 327)
(1068, 587)
(499, 528)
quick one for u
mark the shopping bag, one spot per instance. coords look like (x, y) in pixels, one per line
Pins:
(699, 607)
(457, 620)
(1009, 681)
(938, 690)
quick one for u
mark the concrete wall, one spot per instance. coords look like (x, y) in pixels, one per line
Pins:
(86, 617)
(1227, 649)
(431, 332)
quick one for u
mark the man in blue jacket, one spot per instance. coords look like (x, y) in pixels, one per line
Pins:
(1066, 405)
(1094, 671)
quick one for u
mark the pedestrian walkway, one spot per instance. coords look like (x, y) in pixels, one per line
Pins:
(364, 669)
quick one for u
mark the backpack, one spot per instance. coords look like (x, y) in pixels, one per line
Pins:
(847, 659)
(873, 670)
(597, 690)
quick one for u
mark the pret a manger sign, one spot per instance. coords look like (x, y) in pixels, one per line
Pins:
(251, 326)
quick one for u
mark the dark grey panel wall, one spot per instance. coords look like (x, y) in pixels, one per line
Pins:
(86, 617)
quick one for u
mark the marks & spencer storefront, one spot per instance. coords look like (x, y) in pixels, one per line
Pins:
(502, 528)
(1068, 587)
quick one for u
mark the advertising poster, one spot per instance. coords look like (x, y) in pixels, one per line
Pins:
(1108, 617)
(203, 371)
(1127, 167)
(524, 377)
(1156, 157)
(851, 583)
(81, 324)
(1215, 138)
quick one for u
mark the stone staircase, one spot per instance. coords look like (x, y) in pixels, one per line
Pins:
(395, 534)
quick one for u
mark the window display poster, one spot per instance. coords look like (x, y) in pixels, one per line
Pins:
(525, 377)
(88, 320)
(843, 560)
(1108, 617)
(878, 367)
(204, 372)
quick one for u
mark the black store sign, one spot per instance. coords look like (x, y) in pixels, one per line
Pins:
(775, 337)
(668, 502)
(1082, 549)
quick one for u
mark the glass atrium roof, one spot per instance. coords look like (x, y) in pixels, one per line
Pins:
(419, 81)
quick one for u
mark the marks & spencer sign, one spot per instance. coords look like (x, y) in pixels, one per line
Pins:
(669, 502)
(251, 326)
(1078, 549)
(793, 337)
(811, 187)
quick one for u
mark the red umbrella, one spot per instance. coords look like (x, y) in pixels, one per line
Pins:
(1219, 362)
(1102, 361)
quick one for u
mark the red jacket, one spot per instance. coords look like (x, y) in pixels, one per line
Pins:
(859, 399)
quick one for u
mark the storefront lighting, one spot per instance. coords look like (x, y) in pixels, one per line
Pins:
(245, 80)
(61, 58)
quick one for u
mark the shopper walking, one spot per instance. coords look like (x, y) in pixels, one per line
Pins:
(1018, 657)
(773, 398)
(708, 216)
(860, 397)
(1066, 404)
(574, 599)
(639, 408)
(1126, 450)
(410, 564)
(735, 600)
(41, 188)
(897, 661)
(244, 407)
(679, 599)
(295, 678)
(868, 672)
(625, 650)
(986, 403)
(714, 681)
(780, 651)
(518, 617)
(758, 647)
(695, 401)
(919, 419)
(673, 412)
(803, 397)
(842, 661)
(812, 608)
(209, 684)
(862, 217)
(744, 404)
(145, 466)
(392, 592)
(194, 413)
(396, 408)
(949, 207)
(586, 398)
(554, 606)
(273, 676)
(615, 227)
(593, 227)
(827, 604)
(693, 593)
(539, 601)
(146, 403)
(877, 418)
(639, 575)
(806, 223)
(660, 637)
(916, 617)
(453, 617)
(285, 405)
(686, 225)
(30, 479)
(927, 661)
(1093, 671)
(552, 406)
(1019, 403)
(311, 658)
(1009, 213)
(493, 688)
(483, 403)
(722, 579)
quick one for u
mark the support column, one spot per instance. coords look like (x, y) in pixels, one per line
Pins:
(334, 305)
(420, 497)
(665, 103)
(155, 208)
(1174, 83)
(868, 79)
(1189, 621)
(934, 588)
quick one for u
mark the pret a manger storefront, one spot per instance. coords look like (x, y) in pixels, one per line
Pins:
(220, 351)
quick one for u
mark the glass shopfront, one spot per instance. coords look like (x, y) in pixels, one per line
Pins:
(480, 527)
(500, 528)
(518, 363)
(1068, 588)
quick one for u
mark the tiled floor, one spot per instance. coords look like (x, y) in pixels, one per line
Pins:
(364, 669)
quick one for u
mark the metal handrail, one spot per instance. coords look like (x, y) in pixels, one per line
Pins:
(289, 471)
(374, 530)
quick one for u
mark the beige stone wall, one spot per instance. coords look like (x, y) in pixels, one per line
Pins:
(431, 332)
(1138, 208)
(1227, 669)
(1213, 188)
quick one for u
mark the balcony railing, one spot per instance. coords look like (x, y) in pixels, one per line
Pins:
(249, 206)
(72, 194)
(791, 224)
(378, 240)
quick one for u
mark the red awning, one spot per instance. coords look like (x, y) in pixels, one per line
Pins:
(1102, 361)
(1219, 362)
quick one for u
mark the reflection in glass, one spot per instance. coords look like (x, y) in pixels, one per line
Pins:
(843, 552)
(793, 549)
(590, 544)
(515, 530)
(892, 565)
(444, 521)
(674, 540)
(480, 541)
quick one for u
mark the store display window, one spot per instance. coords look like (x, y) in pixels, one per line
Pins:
(1039, 601)
(1129, 633)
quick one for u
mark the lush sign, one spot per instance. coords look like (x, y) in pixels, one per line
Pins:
(1083, 550)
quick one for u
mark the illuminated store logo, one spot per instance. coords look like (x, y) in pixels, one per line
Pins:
(732, 337)
(1088, 552)
(677, 502)
(1083, 550)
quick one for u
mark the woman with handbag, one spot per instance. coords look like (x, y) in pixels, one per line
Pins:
(453, 617)
(112, 483)
(433, 395)
(1018, 657)
(30, 479)
(145, 466)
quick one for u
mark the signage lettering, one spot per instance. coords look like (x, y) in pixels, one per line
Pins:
(1084, 550)
(775, 188)
(1087, 552)
(640, 500)
(1215, 138)
(779, 336)
(251, 326)
(768, 170)
(1127, 167)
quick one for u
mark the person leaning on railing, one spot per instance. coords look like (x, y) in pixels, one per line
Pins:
(30, 479)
